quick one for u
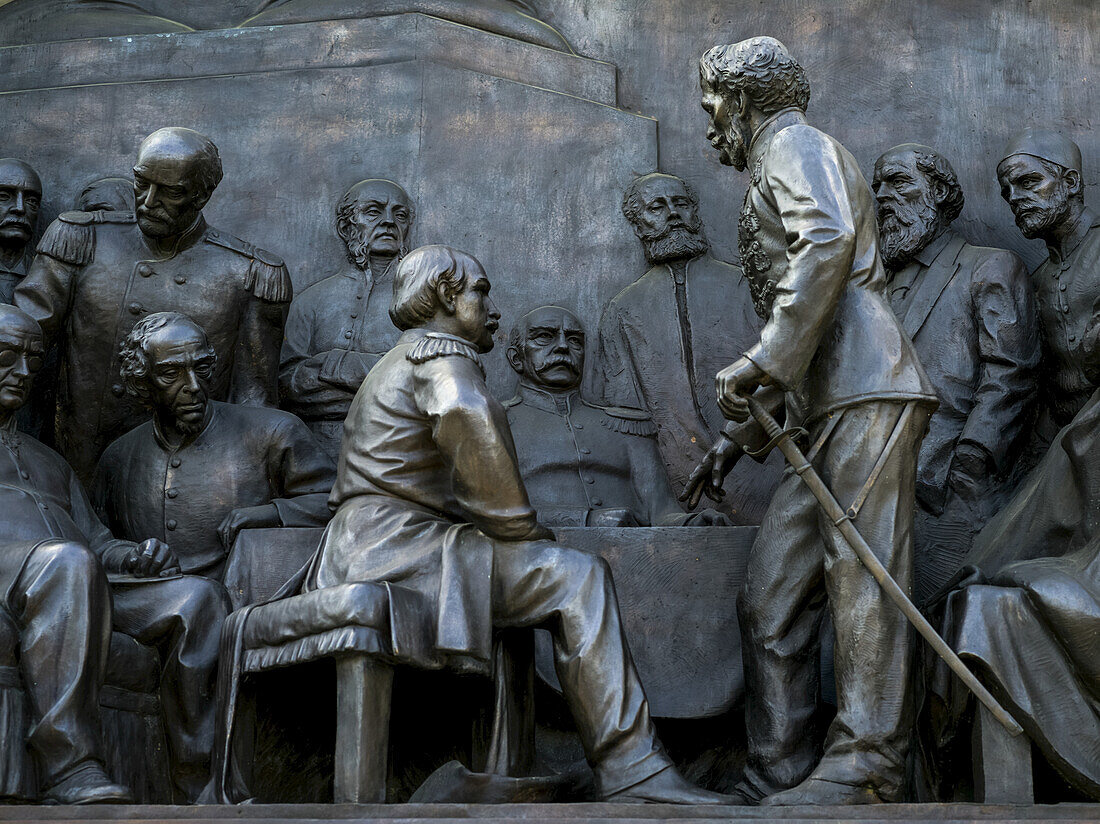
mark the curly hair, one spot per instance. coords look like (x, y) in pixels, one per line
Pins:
(632, 198)
(938, 170)
(419, 275)
(760, 67)
(133, 352)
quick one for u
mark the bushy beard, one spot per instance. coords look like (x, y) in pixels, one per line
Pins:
(358, 247)
(904, 230)
(1039, 219)
(676, 244)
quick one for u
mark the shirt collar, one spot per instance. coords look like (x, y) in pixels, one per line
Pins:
(560, 403)
(166, 445)
(928, 255)
(771, 126)
(1059, 253)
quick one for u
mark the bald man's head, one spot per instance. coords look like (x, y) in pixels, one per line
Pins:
(176, 172)
(546, 347)
(20, 200)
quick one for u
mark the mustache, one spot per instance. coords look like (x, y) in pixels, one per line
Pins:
(15, 221)
(561, 360)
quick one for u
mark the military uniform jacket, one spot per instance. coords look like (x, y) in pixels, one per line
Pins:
(577, 458)
(427, 488)
(244, 456)
(1068, 288)
(41, 498)
(95, 276)
(971, 315)
(809, 246)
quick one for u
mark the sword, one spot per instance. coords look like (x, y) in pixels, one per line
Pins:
(782, 439)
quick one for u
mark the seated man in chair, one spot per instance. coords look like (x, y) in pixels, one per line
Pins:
(429, 497)
(201, 470)
(52, 573)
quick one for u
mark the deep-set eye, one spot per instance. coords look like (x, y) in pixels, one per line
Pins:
(8, 357)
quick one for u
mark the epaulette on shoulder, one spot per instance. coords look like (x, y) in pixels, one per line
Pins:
(107, 216)
(268, 278)
(433, 346)
(626, 420)
(70, 239)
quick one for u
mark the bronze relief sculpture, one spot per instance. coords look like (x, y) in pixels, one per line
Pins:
(583, 464)
(202, 470)
(96, 274)
(850, 377)
(340, 327)
(907, 365)
(665, 335)
(970, 312)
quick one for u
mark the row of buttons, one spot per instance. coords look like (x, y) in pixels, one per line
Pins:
(146, 271)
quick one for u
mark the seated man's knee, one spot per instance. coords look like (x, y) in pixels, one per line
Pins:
(201, 600)
(58, 556)
(579, 570)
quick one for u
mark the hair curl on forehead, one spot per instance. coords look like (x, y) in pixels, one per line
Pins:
(760, 67)
(133, 352)
(633, 203)
(418, 277)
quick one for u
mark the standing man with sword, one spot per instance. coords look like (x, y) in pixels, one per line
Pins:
(834, 359)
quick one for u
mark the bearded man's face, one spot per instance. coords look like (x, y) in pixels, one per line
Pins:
(378, 223)
(668, 223)
(908, 212)
(1038, 195)
(725, 131)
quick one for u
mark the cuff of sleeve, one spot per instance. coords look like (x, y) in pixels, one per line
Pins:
(331, 365)
(114, 554)
(769, 367)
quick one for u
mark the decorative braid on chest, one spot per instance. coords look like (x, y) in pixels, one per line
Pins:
(754, 260)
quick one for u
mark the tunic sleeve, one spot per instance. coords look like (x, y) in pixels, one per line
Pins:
(470, 428)
(110, 550)
(805, 175)
(305, 476)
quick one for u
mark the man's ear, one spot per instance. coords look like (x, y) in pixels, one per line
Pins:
(515, 358)
(741, 103)
(202, 199)
(445, 294)
(1072, 177)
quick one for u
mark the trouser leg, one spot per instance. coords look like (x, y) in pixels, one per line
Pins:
(183, 617)
(869, 738)
(62, 605)
(571, 594)
(780, 608)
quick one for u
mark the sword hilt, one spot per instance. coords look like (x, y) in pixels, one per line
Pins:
(771, 428)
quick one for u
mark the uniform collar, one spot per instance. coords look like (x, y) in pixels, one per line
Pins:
(1059, 252)
(560, 403)
(164, 443)
(790, 116)
(185, 241)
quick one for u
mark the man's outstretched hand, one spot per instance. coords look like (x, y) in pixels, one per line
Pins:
(733, 384)
(707, 478)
